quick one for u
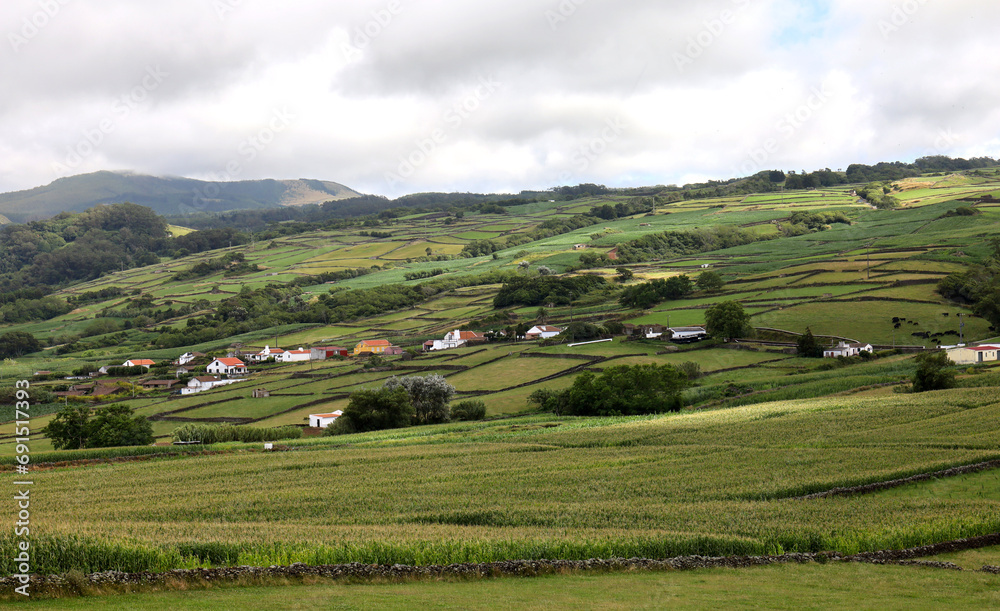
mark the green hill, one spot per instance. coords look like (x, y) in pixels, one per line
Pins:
(165, 195)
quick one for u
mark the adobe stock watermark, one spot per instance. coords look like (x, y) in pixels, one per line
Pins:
(33, 25)
(363, 35)
(787, 127)
(22, 486)
(713, 29)
(563, 11)
(121, 107)
(943, 144)
(222, 8)
(247, 151)
(900, 16)
(451, 122)
(589, 152)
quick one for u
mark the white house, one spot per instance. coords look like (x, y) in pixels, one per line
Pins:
(687, 334)
(201, 383)
(542, 332)
(227, 366)
(971, 355)
(147, 363)
(187, 357)
(324, 420)
(453, 339)
(266, 353)
(845, 349)
(291, 356)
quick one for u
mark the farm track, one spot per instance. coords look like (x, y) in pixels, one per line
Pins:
(355, 572)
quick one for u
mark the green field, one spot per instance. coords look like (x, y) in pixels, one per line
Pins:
(760, 428)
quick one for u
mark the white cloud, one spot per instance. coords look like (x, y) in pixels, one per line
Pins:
(701, 88)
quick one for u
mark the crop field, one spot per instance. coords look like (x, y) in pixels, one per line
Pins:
(716, 482)
(722, 477)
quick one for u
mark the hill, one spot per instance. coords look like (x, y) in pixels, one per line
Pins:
(165, 195)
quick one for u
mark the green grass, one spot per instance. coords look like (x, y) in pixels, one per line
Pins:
(790, 586)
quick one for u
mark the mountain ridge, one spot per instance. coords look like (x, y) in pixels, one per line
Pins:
(166, 195)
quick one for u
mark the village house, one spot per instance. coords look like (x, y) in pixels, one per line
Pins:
(454, 339)
(376, 346)
(159, 384)
(845, 349)
(971, 355)
(182, 371)
(202, 383)
(320, 353)
(147, 363)
(227, 366)
(685, 335)
(267, 353)
(542, 332)
(322, 421)
(292, 356)
(187, 357)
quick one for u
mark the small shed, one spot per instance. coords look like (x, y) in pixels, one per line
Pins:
(322, 421)
(259, 393)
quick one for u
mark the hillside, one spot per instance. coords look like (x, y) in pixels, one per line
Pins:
(165, 195)
(761, 426)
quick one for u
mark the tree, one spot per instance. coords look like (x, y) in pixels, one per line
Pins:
(709, 281)
(377, 409)
(807, 345)
(429, 395)
(624, 274)
(727, 319)
(626, 390)
(18, 343)
(111, 426)
(118, 425)
(933, 372)
(68, 430)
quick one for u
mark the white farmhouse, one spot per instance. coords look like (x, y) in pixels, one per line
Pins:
(227, 366)
(542, 332)
(292, 356)
(971, 355)
(845, 349)
(687, 334)
(322, 421)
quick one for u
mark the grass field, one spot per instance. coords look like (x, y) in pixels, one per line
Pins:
(856, 586)
(717, 479)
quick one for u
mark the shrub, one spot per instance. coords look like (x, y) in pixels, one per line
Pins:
(933, 372)
(470, 409)
(211, 433)
(382, 408)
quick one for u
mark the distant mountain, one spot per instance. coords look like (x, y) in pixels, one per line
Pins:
(165, 195)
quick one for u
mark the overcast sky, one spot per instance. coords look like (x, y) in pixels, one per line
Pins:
(403, 96)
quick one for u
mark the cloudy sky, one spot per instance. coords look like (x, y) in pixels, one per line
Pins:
(401, 96)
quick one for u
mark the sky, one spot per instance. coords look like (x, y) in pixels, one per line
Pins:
(391, 97)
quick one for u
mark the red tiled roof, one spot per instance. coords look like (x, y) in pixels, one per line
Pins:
(232, 362)
(141, 362)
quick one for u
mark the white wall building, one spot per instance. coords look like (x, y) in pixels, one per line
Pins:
(971, 355)
(324, 420)
(845, 349)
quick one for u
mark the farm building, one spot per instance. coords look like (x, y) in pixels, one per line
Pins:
(147, 363)
(542, 332)
(454, 339)
(292, 356)
(259, 393)
(322, 421)
(187, 357)
(227, 366)
(202, 383)
(683, 335)
(970, 355)
(159, 384)
(320, 353)
(845, 349)
(376, 346)
(267, 353)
